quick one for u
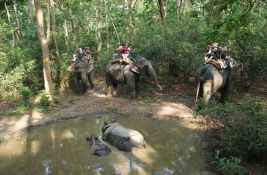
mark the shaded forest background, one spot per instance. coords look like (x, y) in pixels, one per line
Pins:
(173, 34)
(38, 38)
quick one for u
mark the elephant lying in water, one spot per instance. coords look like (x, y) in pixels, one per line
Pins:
(210, 79)
(125, 74)
(123, 138)
(81, 77)
(97, 147)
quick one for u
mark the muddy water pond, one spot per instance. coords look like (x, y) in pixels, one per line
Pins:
(61, 149)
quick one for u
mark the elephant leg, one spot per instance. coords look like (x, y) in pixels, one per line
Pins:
(77, 85)
(130, 81)
(91, 81)
(207, 91)
(110, 90)
(137, 87)
(85, 79)
(225, 92)
(115, 92)
(132, 87)
(109, 86)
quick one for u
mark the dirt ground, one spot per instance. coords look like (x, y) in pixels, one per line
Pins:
(176, 100)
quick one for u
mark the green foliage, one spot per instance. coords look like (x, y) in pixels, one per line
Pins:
(177, 42)
(229, 166)
(242, 126)
(14, 76)
(180, 39)
(25, 100)
(44, 103)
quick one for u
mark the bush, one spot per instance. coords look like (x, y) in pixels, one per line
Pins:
(25, 101)
(14, 76)
(229, 166)
(241, 126)
(44, 103)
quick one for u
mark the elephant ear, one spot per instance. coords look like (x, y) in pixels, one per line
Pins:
(80, 67)
(71, 68)
(90, 68)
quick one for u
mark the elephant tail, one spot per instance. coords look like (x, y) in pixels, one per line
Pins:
(198, 86)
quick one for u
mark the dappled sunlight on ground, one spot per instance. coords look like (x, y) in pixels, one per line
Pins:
(99, 95)
(168, 103)
(174, 109)
(22, 122)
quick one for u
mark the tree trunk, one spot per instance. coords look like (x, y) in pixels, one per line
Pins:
(9, 21)
(106, 24)
(30, 10)
(129, 16)
(18, 32)
(114, 27)
(98, 25)
(66, 33)
(73, 30)
(179, 6)
(44, 40)
(162, 9)
(58, 64)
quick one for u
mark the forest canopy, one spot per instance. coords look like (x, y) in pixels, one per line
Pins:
(174, 32)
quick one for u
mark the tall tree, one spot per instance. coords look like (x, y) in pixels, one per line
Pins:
(44, 40)
(54, 33)
(131, 4)
(9, 22)
(162, 8)
(106, 24)
(66, 35)
(98, 28)
(30, 10)
(18, 32)
(73, 29)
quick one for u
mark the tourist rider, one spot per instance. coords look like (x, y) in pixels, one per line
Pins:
(78, 56)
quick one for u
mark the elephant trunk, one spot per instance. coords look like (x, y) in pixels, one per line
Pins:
(153, 74)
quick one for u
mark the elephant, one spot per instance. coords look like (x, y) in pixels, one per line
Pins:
(129, 74)
(210, 79)
(81, 77)
(97, 147)
(123, 138)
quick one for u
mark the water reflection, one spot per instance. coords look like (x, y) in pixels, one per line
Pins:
(62, 149)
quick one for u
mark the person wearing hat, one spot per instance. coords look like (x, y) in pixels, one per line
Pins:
(86, 54)
(78, 55)
(212, 52)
